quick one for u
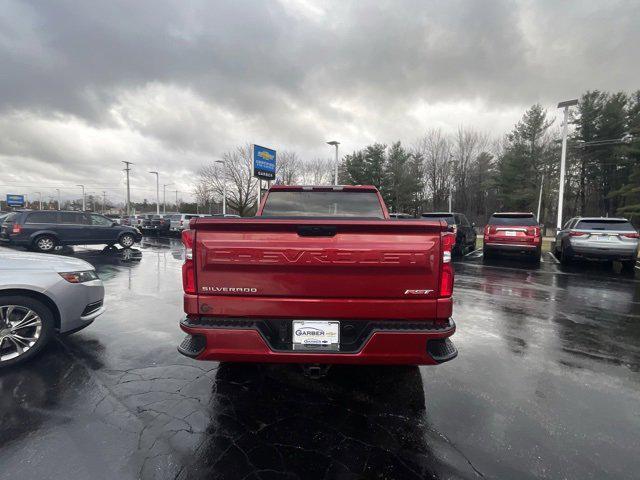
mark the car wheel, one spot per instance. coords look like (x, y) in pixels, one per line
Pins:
(44, 243)
(26, 325)
(486, 254)
(565, 258)
(127, 240)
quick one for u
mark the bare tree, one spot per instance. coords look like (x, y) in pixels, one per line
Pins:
(435, 150)
(237, 175)
(318, 171)
(467, 145)
(289, 168)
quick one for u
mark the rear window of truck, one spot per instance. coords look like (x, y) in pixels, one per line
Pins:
(322, 204)
(605, 224)
(513, 220)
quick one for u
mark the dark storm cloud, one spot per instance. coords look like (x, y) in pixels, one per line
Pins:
(171, 78)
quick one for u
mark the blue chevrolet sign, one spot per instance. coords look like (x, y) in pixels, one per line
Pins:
(15, 200)
(264, 163)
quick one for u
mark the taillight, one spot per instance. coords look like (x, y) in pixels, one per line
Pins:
(573, 233)
(188, 268)
(631, 235)
(17, 228)
(446, 269)
(486, 231)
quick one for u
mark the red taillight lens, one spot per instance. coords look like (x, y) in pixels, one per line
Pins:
(573, 233)
(631, 235)
(16, 228)
(188, 268)
(446, 269)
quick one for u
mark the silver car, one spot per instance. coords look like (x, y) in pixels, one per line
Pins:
(598, 238)
(41, 295)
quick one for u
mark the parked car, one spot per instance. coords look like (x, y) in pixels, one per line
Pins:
(319, 277)
(180, 221)
(513, 232)
(156, 224)
(597, 238)
(40, 296)
(44, 230)
(464, 230)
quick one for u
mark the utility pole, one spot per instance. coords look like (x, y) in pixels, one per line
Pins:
(335, 144)
(540, 198)
(449, 200)
(224, 187)
(177, 206)
(83, 198)
(104, 198)
(127, 168)
(58, 190)
(563, 157)
(157, 191)
(164, 197)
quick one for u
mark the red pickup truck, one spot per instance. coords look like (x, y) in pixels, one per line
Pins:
(320, 276)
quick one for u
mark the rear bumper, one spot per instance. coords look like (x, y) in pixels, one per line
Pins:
(599, 252)
(383, 343)
(511, 247)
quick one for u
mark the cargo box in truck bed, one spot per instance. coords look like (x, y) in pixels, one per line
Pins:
(310, 280)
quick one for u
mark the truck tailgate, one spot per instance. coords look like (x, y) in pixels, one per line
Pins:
(317, 268)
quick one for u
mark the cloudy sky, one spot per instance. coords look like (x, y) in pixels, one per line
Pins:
(170, 85)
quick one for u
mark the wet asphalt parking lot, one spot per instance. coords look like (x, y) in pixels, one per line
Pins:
(546, 385)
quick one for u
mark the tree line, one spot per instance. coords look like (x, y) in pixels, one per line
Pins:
(477, 173)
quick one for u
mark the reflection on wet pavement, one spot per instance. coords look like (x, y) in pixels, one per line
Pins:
(546, 385)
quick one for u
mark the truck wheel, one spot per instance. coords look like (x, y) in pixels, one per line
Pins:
(127, 240)
(44, 243)
(26, 326)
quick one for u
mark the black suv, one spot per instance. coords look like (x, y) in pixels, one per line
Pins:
(43, 230)
(464, 230)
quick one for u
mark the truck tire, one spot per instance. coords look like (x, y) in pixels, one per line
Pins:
(26, 326)
(44, 243)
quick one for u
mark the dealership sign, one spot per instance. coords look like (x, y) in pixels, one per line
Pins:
(264, 162)
(15, 200)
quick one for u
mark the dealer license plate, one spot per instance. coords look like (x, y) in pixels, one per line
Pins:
(316, 334)
(510, 233)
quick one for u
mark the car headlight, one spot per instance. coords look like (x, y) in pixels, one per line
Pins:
(79, 277)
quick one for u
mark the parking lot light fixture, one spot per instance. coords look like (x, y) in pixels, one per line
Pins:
(224, 187)
(84, 201)
(335, 144)
(563, 157)
(157, 191)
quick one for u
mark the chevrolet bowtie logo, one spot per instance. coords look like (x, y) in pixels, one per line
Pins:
(265, 155)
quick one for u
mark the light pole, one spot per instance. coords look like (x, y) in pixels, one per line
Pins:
(83, 197)
(177, 206)
(39, 200)
(58, 190)
(157, 191)
(540, 198)
(563, 157)
(224, 187)
(164, 197)
(335, 144)
(104, 199)
(127, 168)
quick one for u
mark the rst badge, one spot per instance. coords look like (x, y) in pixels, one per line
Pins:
(417, 292)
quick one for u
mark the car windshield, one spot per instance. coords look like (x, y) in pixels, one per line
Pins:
(513, 220)
(605, 224)
(440, 216)
(301, 203)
